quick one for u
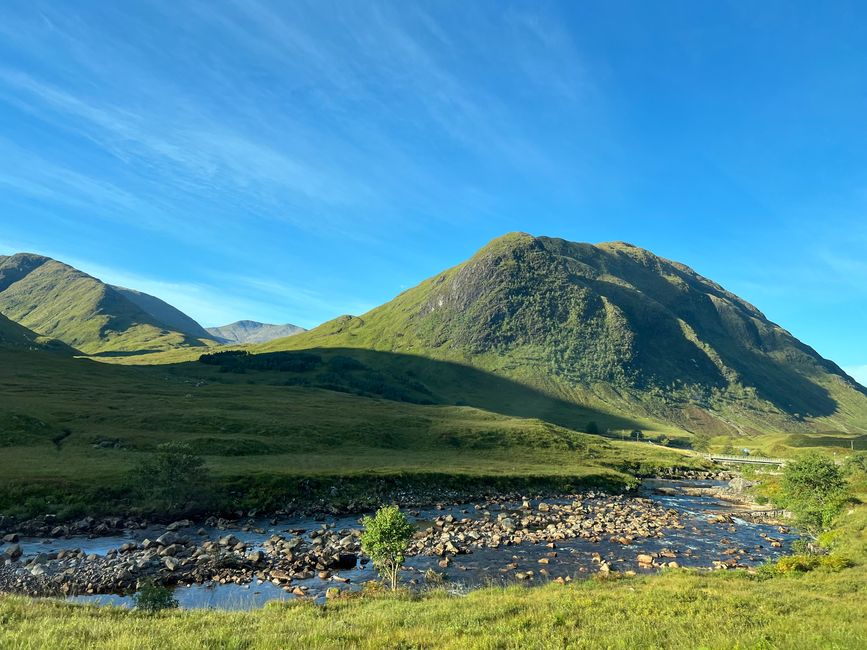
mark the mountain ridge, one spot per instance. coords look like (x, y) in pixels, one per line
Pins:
(59, 301)
(610, 323)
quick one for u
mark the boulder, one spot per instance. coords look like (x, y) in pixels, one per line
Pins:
(84, 524)
(172, 550)
(169, 538)
(12, 552)
(343, 561)
(229, 540)
(739, 485)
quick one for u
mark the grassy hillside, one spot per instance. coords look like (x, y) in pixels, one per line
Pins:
(170, 317)
(58, 301)
(17, 337)
(611, 327)
(72, 429)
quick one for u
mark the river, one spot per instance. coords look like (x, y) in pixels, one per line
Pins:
(699, 539)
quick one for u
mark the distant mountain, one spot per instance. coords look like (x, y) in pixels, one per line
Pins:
(56, 300)
(609, 326)
(248, 331)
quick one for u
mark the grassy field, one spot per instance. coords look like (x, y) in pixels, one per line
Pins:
(71, 430)
(678, 609)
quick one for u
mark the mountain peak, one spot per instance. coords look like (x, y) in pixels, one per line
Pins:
(610, 322)
(250, 331)
(56, 300)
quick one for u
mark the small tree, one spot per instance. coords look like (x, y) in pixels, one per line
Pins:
(172, 477)
(152, 598)
(814, 489)
(385, 540)
(592, 427)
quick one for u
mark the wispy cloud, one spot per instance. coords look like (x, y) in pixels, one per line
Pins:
(321, 121)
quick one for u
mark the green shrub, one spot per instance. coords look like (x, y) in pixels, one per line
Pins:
(805, 563)
(797, 563)
(385, 539)
(855, 464)
(152, 598)
(835, 562)
(802, 547)
(814, 489)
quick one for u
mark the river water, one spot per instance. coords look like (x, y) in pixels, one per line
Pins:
(697, 544)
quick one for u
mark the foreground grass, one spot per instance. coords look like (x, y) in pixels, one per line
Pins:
(675, 610)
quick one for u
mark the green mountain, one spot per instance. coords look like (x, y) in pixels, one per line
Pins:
(610, 327)
(61, 302)
(249, 331)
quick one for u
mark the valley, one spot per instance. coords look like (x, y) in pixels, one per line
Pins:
(522, 407)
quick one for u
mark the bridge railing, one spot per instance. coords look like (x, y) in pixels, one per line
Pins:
(746, 459)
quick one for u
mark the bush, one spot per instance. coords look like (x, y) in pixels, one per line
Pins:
(855, 464)
(172, 479)
(152, 598)
(814, 489)
(805, 563)
(385, 539)
(797, 563)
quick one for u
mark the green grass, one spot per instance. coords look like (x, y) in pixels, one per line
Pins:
(678, 609)
(71, 430)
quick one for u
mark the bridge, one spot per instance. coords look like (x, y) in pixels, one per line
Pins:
(747, 460)
(769, 513)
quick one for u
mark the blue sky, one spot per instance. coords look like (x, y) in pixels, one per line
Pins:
(294, 161)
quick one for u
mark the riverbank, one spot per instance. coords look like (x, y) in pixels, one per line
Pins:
(675, 608)
(505, 539)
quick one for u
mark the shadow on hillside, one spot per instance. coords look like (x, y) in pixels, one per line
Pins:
(407, 378)
(739, 344)
(124, 353)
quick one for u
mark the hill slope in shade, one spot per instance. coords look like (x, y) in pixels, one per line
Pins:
(249, 331)
(17, 337)
(163, 312)
(610, 325)
(59, 301)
